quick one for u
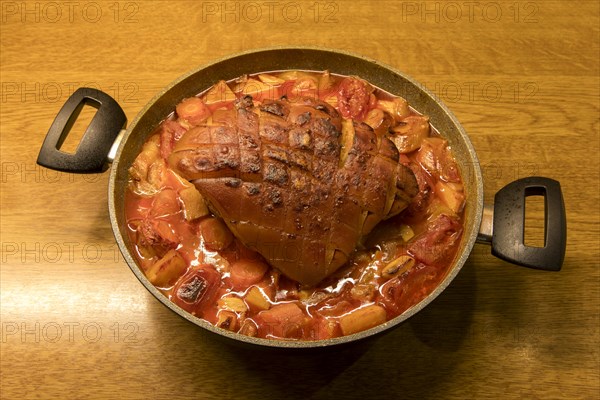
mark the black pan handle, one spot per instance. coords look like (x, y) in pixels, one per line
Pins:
(94, 146)
(509, 224)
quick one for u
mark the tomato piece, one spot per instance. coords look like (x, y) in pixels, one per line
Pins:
(158, 234)
(197, 289)
(400, 293)
(438, 242)
(354, 98)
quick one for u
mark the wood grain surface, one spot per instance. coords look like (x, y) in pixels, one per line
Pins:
(521, 76)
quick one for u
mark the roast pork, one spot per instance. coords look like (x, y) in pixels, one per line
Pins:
(295, 181)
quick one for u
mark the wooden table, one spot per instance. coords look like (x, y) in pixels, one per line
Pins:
(522, 77)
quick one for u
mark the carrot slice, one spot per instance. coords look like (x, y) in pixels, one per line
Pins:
(193, 110)
(247, 272)
(283, 320)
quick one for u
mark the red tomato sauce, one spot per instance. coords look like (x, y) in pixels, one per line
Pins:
(192, 257)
